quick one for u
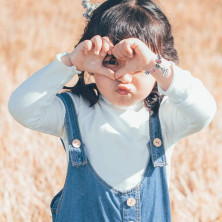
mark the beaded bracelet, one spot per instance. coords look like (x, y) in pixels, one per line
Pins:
(157, 66)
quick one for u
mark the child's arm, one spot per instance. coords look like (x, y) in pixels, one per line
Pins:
(189, 106)
(34, 103)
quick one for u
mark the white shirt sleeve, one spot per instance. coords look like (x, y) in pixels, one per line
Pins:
(34, 103)
(187, 108)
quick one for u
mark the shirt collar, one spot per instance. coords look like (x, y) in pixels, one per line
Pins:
(135, 107)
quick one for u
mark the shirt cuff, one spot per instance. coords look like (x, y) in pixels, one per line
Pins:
(71, 68)
(180, 86)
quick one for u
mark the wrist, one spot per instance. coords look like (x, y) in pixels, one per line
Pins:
(69, 60)
(159, 65)
(73, 61)
(66, 60)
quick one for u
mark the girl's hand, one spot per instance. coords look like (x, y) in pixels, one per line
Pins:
(137, 55)
(89, 54)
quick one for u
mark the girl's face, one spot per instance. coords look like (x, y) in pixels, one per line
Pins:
(126, 91)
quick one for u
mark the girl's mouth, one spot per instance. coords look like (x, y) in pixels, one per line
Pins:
(124, 89)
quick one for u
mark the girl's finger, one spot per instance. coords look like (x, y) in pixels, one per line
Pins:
(123, 71)
(107, 72)
(97, 41)
(111, 46)
(120, 72)
(127, 48)
(87, 45)
(117, 53)
(136, 44)
(120, 51)
(106, 46)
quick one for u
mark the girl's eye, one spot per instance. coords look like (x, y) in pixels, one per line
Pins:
(111, 61)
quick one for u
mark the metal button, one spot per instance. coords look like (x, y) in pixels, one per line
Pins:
(157, 142)
(131, 202)
(76, 143)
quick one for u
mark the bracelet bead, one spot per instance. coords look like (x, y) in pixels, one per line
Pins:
(165, 71)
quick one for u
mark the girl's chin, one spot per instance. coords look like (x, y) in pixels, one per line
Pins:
(123, 99)
(124, 102)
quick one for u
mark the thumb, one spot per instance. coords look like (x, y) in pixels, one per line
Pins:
(120, 72)
(107, 72)
(134, 43)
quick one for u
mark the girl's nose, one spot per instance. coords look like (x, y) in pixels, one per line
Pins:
(127, 78)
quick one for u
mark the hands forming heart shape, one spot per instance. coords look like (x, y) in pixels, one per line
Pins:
(91, 56)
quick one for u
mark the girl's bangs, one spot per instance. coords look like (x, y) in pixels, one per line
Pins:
(123, 22)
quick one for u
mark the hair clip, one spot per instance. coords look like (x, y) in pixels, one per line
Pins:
(90, 7)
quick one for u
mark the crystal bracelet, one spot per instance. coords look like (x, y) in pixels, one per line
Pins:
(165, 71)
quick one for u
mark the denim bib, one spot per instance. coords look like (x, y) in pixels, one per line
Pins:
(86, 197)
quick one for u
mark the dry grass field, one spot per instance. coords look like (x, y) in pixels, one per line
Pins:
(33, 165)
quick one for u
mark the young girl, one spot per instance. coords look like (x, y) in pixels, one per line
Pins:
(119, 132)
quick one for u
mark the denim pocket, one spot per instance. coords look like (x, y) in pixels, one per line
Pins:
(54, 206)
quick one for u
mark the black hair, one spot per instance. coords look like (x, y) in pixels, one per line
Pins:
(120, 19)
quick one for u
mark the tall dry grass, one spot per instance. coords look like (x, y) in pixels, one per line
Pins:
(33, 165)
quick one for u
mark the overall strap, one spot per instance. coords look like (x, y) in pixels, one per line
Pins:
(76, 146)
(156, 145)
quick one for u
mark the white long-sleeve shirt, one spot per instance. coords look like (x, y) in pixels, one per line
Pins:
(115, 137)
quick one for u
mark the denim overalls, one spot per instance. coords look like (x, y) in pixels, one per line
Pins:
(86, 197)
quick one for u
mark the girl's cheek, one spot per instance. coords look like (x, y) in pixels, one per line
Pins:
(141, 78)
(144, 82)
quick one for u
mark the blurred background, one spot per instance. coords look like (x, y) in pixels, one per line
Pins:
(33, 165)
